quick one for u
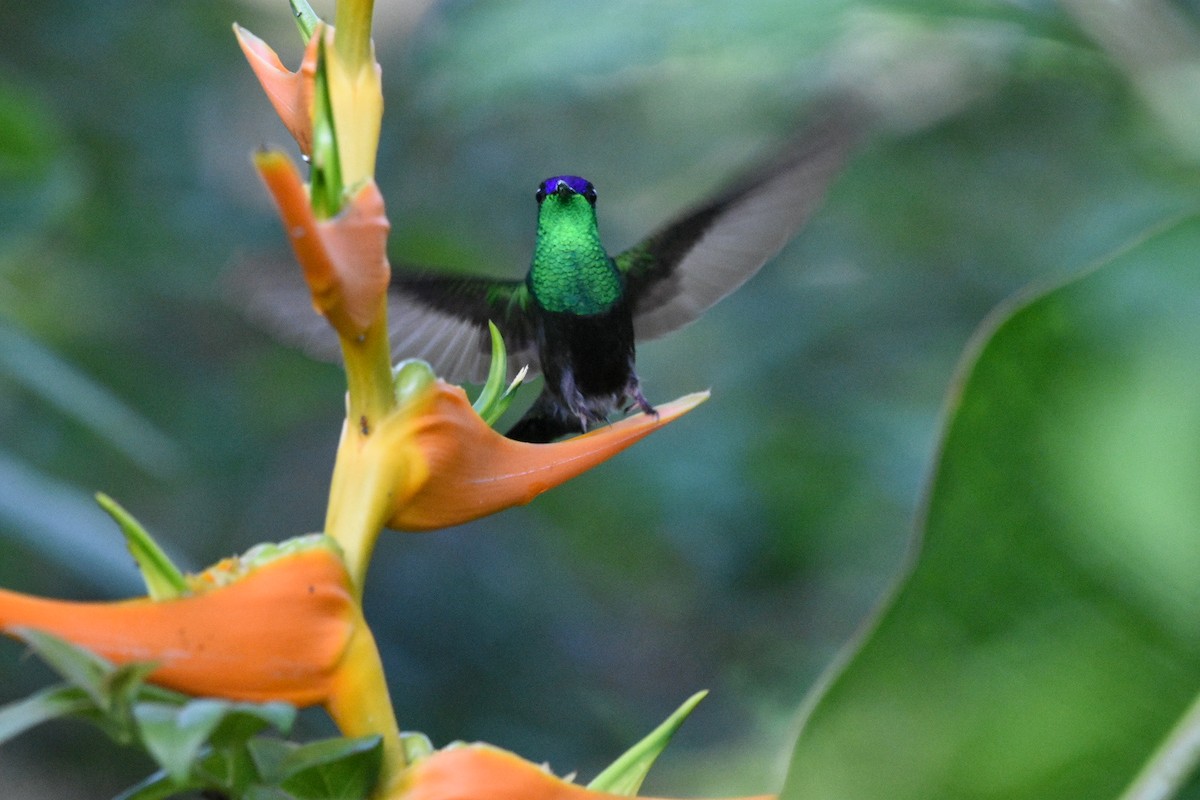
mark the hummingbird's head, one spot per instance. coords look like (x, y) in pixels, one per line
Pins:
(565, 187)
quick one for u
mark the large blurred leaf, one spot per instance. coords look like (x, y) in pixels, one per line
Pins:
(25, 361)
(1048, 636)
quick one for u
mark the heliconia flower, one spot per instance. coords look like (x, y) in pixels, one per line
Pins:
(482, 772)
(344, 258)
(291, 93)
(278, 630)
(355, 89)
(282, 622)
(462, 469)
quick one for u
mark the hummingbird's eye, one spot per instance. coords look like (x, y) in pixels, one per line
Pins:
(590, 194)
(540, 194)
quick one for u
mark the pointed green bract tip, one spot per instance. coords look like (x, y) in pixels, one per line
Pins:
(163, 579)
(306, 19)
(494, 399)
(625, 775)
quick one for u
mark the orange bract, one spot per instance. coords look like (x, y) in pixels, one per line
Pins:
(291, 93)
(277, 633)
(472, 470)
(345, 257)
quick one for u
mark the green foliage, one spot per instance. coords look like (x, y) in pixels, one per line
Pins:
(334, 769)
(198, 743)
(1048, 636)
(50, 703)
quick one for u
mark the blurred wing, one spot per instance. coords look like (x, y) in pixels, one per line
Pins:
(438, 318)
(681, 270)
(444, 320)
(272, 295)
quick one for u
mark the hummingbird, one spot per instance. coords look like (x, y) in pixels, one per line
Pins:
(579, 312)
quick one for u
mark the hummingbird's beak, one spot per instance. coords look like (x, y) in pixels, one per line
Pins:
(562, 191)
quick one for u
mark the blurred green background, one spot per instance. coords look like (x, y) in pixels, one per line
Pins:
(737, 550)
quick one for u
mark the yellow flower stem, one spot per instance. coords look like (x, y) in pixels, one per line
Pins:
(363, 476)
(352, 21)
(361, 705)
(358, 503)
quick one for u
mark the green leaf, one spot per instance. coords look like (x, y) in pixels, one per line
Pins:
(158, 786)
(176, 736)
(163, 579)
(243, 720)
(79, 667)
(124, 688)
(625, 775)
(269, 756)
(258, 792)
(229, 768)
(1047, 639)
(127, 684)
(111, 692)
(338, 769)
(43, 706)
(333, 769)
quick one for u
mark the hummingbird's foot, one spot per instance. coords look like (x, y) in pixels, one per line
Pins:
(636, 398)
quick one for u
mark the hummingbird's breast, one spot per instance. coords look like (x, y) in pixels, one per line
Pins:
(574, 275)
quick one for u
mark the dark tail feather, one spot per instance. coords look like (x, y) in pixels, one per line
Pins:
(544, 422)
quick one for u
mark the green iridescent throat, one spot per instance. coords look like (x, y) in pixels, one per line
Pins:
(571, 272)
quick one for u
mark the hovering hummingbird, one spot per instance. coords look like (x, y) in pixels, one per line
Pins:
(579, 312)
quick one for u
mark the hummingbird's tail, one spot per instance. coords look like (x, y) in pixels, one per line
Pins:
(545, 421)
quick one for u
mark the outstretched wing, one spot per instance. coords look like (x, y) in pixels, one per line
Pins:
(444, 319)
(439, 318)
(677, 273)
